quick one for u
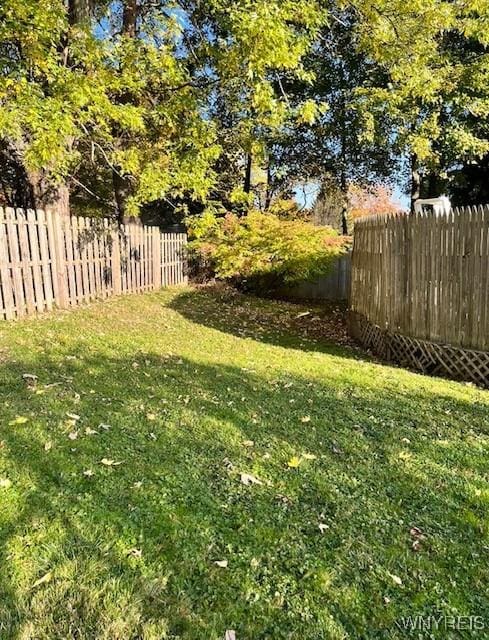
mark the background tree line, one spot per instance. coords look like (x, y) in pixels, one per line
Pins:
(167, 108)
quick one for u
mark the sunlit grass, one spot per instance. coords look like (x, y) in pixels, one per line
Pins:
(187, 390)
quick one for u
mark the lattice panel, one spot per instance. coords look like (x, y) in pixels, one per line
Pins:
(423, 355)
(374, 338)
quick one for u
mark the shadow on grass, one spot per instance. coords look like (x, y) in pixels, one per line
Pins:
(321, 328)
(128, 560)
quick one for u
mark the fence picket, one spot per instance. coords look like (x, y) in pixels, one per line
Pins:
(26, 262)
(7, 292)
(46, 264)
(33, 242)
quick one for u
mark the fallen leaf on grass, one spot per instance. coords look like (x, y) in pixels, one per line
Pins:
(247, 479)
(109, 463)
(90, 432)
(135, 553)
(103, 426)
(323, 527)
(405, 455)
(137, 485)
(73, 416)
(5, 483)
(45, 578)
(18, 420)
(306, 419)
(294, 462)
(418, 537)
(303, 314)
(230, 634)
(150, 416)
(309, 456)
(88, 473)
(396, 579)
(48, 445)
(73, 435)
(221, 563)
(30, 380)
(248, 443)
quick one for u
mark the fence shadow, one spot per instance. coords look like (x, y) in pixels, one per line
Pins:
(187, 452)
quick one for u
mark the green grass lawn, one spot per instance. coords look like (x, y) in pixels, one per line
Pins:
(372, 500)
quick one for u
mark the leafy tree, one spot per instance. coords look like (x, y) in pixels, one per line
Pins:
(135, 93)
(362, 200)
(134, 102)
(434, 53)
(371, 200)
(336, 142)
(469, 184)
(51, 90)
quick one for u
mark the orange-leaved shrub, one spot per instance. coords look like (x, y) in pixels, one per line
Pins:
(262, 252)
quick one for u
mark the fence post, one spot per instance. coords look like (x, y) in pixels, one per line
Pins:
(59, 258)
(116, 261)
(8, 298)
(184, 258)
(156, 258)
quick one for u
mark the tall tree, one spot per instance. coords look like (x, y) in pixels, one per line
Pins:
(435, 55)
(337, 141)
(134, 91)
(48, 66)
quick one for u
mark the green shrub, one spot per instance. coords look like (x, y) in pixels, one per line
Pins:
(262, 252)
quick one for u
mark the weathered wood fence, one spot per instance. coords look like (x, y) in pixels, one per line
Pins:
(333, 286)
(420, 289)
(47, 260)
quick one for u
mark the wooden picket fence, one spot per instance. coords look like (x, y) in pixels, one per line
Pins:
(425, 277)
(51, 261)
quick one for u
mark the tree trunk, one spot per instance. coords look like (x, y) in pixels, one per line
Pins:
(344, 205)
(122, 190)
(43, 195)
(61, 200)
(268, 193)
(247, 180)
(433, 184)
(79, 11)
(129, 18)
(121, 184)
(415, 181)
(343, 158)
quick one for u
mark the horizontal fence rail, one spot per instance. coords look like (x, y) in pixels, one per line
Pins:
(47, 260)
(425, 276)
